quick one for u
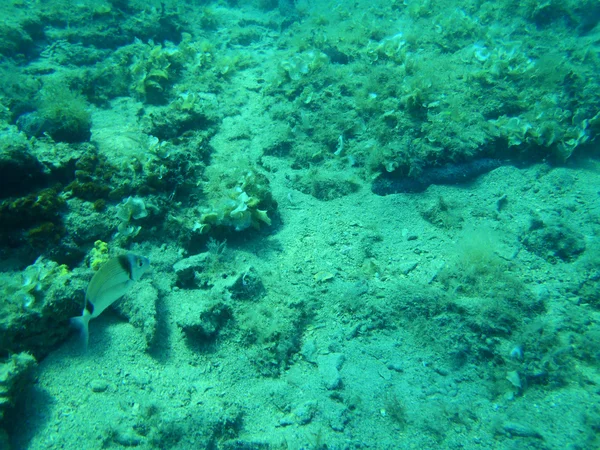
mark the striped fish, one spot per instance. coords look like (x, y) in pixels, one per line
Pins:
(109, 284)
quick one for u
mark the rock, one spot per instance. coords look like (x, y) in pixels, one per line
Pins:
(98, 385)
(337, 416)
(520, 430)
(305, 412)
(248, 286)
(329, 366)
(395, 366)
(14, 375)
(186, 268)
(202, 320)
(127, 438)
(309, 350)
(20, 171)
(557, 240)
(407, 267)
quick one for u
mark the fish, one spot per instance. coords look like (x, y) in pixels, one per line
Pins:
(108, 285)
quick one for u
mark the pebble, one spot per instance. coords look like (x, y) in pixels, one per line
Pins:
(395, 366)
(407, 267)
(98, 385)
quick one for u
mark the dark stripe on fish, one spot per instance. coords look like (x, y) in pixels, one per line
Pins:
(125, 263)
(448, 174)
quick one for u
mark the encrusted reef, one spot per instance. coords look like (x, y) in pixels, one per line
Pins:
(38, 302)
(447, 174)
(15, 373)
(246, 202)
(242, 147)
(106, 144)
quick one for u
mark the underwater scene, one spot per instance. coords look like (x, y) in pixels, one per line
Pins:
(299, 224)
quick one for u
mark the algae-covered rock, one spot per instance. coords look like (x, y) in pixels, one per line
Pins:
(554, 240)
(273, 334)
(33, 219)
(187, 269)
(247, 286)
(20, 171)
(237, 203)
(201, 321)
(62, 114)
(14, 374)
(154, 70)
(38, 303)
(132, 208)
(19, 30)
(327, 185)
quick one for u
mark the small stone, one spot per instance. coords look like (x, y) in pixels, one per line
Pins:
(286, 421)
(514, 378)
(127, 438)
(98, 385)
(395, 366)
(305, 412)
(407, 267)
(309, 350)
(385, 374)
(520, 430)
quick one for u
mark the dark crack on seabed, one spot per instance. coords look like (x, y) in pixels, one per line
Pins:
(455, 173)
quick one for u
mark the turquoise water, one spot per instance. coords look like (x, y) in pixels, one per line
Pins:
(370, 224)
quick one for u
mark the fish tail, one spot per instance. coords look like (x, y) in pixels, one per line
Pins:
(81, 323)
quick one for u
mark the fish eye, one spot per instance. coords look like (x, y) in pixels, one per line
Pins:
(140, 263)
